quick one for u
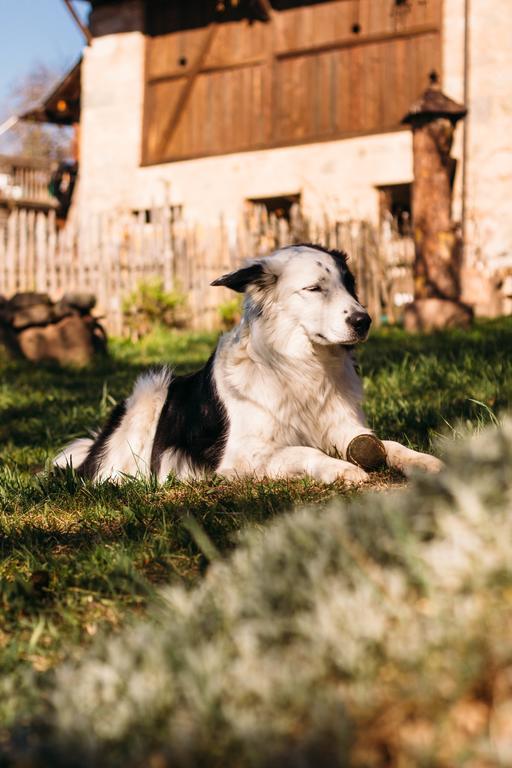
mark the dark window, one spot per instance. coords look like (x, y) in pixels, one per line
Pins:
(279, 206)
(396, 207)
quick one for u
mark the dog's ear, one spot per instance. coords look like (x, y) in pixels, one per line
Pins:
(254, 274)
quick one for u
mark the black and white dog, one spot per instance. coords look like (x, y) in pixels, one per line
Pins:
(279, 396)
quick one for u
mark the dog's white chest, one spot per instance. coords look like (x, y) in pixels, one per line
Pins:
(273, 407)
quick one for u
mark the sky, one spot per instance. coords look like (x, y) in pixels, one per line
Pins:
(34, 32)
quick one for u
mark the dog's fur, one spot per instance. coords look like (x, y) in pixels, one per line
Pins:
(280, 396)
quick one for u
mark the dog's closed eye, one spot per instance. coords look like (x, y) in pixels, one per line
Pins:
(313, 288)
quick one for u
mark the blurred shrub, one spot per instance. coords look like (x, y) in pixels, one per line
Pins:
(373, 634)
(149, 305)
(230, 312)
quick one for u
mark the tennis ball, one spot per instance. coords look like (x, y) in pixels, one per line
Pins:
(367, 451)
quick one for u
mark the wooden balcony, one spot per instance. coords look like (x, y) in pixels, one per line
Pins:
(24, 183)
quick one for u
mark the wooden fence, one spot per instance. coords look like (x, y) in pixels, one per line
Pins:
(110, 255)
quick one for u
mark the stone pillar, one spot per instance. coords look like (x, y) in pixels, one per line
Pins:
(438, 245)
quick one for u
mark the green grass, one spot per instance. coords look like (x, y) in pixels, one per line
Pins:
(78, 559)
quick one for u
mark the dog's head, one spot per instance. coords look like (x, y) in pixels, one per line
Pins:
(304, 287)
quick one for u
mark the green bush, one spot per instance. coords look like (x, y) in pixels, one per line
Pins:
(230, 312)
(150, 305)
(371, 634)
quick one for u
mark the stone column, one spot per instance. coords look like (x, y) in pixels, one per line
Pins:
(438, 246)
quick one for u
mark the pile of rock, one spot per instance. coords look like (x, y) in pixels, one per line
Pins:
(33, 326)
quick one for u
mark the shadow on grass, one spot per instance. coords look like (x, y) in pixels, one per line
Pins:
(43, 406)
(67, 547)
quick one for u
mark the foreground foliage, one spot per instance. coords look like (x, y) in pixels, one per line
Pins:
(371, 634)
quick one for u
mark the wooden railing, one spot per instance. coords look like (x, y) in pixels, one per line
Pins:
(24, 183)
(111, 255)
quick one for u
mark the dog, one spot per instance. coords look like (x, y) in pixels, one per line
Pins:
(279, 397)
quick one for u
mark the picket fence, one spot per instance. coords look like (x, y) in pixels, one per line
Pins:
(111, 254)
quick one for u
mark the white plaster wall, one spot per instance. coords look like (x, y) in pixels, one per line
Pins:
(490, 132)
(112, 101)
(453, 83)
(336, 177)
(453, 49)
(489, 123)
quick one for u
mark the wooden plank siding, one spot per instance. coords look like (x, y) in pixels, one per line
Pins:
(304, 76)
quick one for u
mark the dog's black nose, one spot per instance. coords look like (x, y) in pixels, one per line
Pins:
(360, 322)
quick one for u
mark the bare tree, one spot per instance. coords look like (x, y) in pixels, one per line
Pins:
(37, 140)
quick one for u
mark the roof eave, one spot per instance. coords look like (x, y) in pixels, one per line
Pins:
(67, 90)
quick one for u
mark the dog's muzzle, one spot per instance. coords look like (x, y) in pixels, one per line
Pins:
(360, 322)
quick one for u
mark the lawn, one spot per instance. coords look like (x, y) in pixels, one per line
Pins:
(78, 560)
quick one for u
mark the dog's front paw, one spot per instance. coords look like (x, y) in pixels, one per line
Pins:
(405, 459)
(423, 461)
(354, 476)
(429, 463)
(349, 474)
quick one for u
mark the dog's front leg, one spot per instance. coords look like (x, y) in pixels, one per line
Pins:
(395, 455)
(405, 459)
(299, 460)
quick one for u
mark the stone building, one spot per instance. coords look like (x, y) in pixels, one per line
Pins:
(212, 105)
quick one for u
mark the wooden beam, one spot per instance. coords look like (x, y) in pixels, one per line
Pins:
(173, 76)
(184, 96)
(86, 32)
(359, 40)
(8, 124)
(275, 144)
